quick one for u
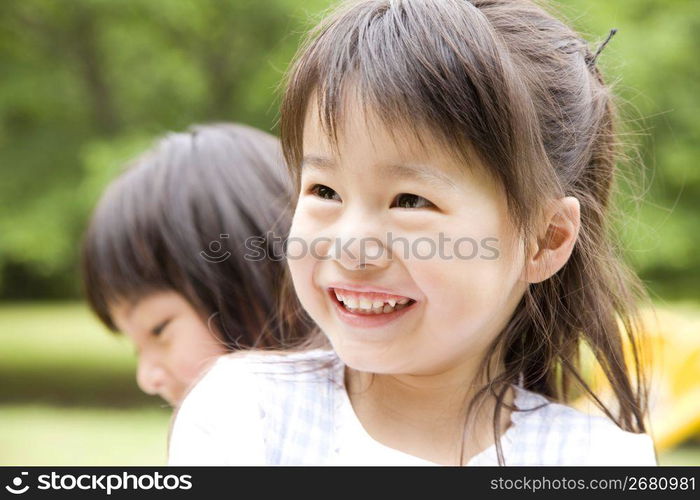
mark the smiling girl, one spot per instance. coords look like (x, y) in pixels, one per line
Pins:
(164, 257)
(411, 127)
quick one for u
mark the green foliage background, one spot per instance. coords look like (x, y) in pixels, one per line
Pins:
(654, 66)
(86, 84)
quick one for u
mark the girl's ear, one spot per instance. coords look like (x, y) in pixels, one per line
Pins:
(555, 240)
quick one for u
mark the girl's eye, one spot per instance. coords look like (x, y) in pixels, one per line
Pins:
(324, 192)
(158, 329)
(407, 200)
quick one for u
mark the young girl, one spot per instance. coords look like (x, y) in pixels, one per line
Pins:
(454, 163)
(166, 258)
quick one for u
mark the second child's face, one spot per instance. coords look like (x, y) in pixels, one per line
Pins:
(173, 343)
(414, 311)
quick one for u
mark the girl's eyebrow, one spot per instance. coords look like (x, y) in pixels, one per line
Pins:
(418, 172)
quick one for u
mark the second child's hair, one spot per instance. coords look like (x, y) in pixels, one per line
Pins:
(506, 85)
(178, 219)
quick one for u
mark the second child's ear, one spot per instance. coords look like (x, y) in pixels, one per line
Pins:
(555, 239)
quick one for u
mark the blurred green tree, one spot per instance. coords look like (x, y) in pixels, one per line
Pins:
(87, 84)
(653, 64)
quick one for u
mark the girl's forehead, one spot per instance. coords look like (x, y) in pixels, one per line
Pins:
(139, 309)
(363, 139)
(362, 133)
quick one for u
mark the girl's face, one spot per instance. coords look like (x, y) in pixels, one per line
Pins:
(454, 273)
(173, 343)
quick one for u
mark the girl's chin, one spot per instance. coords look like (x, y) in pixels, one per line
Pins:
(366, 357)
(174, 400)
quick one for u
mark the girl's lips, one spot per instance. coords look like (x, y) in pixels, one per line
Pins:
(361, 320)
(364, 289)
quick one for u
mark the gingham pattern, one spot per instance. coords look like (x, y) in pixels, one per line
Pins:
(298, 406)
(294, 410)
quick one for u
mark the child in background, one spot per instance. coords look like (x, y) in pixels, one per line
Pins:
(421, 135)
(164, 258)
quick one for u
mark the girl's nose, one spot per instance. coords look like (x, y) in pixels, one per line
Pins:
(150, 377)
(360, 244)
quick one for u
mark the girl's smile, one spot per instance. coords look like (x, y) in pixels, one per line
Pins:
(369, 309)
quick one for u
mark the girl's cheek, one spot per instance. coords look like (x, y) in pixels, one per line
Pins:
(306, 248)
(189, 348)
(309, 236)
(302, 225)
(178, 356)
(312, 211)
(301, 262)
(185, 368)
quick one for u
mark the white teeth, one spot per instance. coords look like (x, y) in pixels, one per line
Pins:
(375, 310)
(365, 303)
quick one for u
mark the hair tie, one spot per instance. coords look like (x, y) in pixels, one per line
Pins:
(593, 60)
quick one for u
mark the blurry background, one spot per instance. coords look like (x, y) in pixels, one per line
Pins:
(87, 84)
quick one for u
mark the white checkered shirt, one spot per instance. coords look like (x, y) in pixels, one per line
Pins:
(264, 408)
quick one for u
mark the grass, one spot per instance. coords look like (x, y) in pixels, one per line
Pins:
(50, 435)
(59, 354)
(69, 396)
(72, 398)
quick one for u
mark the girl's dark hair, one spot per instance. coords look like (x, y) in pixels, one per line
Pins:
(181, 218)
(506, 85)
